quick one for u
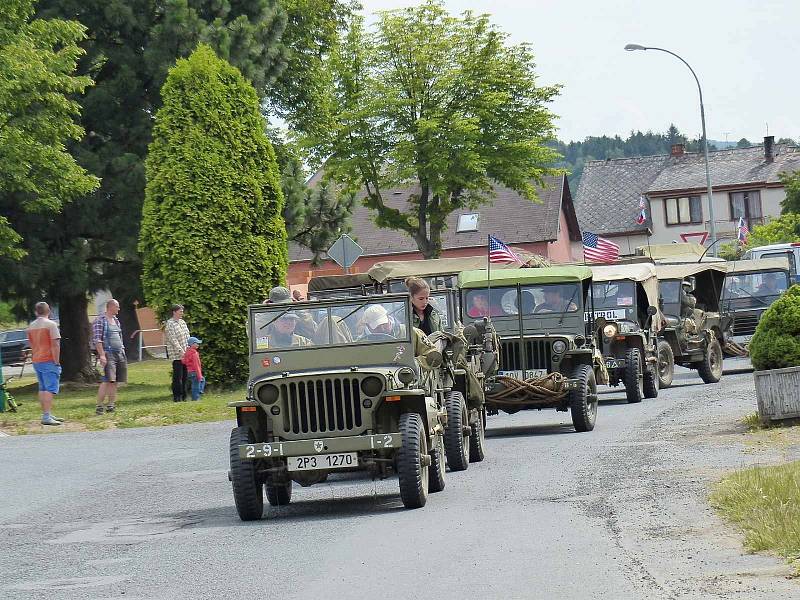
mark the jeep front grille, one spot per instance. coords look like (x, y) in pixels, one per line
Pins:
(745, 324)
(537, 354)
(329, 405)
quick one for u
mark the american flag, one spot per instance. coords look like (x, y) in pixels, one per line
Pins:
(743, 231)
(597, 249)
(500, 253)
(641, 218)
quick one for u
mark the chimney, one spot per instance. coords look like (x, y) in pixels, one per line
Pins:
(769, 148)
(677, 150)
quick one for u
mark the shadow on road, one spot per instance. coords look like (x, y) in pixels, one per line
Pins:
(528, 430)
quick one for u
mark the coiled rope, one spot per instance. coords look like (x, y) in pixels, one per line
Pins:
(540, 389)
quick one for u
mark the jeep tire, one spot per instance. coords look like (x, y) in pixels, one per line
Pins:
(633, 376)
(248, 492)
(583, 401)
(710, 369)
(666, 364)
(651, 379)
(477, 438)
(436, 472)
(457, 432)
(412, 468)
(278, 493)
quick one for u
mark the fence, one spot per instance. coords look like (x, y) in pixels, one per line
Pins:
(147, 337)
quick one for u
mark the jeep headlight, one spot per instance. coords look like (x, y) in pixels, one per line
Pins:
(268, 394)
(372, 386)
(610, 330)
(406, 375)
(559, 347)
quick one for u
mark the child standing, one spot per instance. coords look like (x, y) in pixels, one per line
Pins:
(192, 361)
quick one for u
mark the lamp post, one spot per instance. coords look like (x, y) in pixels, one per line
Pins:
(713, 232)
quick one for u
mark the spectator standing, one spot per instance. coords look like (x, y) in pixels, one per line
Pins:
(191, 360)
(107, 340)
(176, 333)
(45, 341)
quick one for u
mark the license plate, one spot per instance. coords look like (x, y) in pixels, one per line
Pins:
(529, 374)
(314, 462)
(612, 363)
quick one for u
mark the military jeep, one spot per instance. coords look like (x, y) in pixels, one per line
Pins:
(362, 394)
(548, 353)
(625, 311)
(694, 331)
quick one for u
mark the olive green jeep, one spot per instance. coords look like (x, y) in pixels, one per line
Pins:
(549, 357)
(357, 390)
(625, 301)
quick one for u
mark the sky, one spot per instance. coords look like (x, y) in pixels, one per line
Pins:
(745, 54)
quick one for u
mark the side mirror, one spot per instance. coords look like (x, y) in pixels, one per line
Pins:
(652, 311)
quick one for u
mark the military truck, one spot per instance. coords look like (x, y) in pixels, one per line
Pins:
(548, 352)
(751, 286)
(694, 330)
(363, 394)
(626, 313)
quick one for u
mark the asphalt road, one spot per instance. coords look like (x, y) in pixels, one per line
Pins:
(618, 513)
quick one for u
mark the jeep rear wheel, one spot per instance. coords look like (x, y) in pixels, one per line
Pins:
(278, 493)
(633, 376)
(666, 364)
(583, 401)
(248, 493)
(710, 370)
(457, 432)
(436, 472)
(413, 461)
(477, 438)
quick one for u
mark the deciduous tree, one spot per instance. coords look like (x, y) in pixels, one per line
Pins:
(443, 102)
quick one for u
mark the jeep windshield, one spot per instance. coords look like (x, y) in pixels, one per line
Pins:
(614, 294)
(349, 322)
(535, 300)
(753, 290)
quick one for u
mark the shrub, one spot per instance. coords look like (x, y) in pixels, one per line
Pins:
(776, 342)
(212, 236)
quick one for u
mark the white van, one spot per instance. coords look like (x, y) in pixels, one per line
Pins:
(791, 251)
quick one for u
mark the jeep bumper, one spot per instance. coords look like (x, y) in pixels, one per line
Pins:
(354, 443)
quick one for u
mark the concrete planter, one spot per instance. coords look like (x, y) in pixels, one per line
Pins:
(778, 393)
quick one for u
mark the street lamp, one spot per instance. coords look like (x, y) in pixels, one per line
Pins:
(713, 232)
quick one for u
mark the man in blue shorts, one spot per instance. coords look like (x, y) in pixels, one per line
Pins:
(45, 341)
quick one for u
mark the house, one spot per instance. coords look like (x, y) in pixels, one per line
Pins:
(744, 183)
(547, 228)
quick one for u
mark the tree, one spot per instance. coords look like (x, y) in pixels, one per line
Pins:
(130, 46)
(785, 228)
(316, 217)
(37, 117)
(441, 101)
(743, 143)
(212, 231)
(791, 182)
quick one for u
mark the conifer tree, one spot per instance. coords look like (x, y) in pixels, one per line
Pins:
(212, 227)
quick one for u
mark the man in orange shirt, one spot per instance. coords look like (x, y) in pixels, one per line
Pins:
(45, 341)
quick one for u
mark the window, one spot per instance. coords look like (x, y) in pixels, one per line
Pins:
(747, 205)
(468, 222)
(681, 211)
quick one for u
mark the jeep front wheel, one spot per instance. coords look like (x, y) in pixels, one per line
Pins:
(651, 380)
(666, 364)
(710, 370)
(633, 376)
(413, 461)
(583, 401)
(436, 472)
(457, 433)
(248, 493)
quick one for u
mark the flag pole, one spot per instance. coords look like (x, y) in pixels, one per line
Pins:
(489, 271)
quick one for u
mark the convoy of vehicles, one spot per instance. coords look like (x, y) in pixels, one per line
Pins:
(344, 382)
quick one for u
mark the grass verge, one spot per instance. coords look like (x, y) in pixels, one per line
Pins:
(765, 503)
(145, 401)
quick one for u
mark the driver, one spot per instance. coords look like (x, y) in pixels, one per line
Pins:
(555, 301)
(771, 285)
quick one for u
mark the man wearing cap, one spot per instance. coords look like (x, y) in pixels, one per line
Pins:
(306, 326)
(378, 321)
(191, 359)
(281, 332)
(176, 332)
